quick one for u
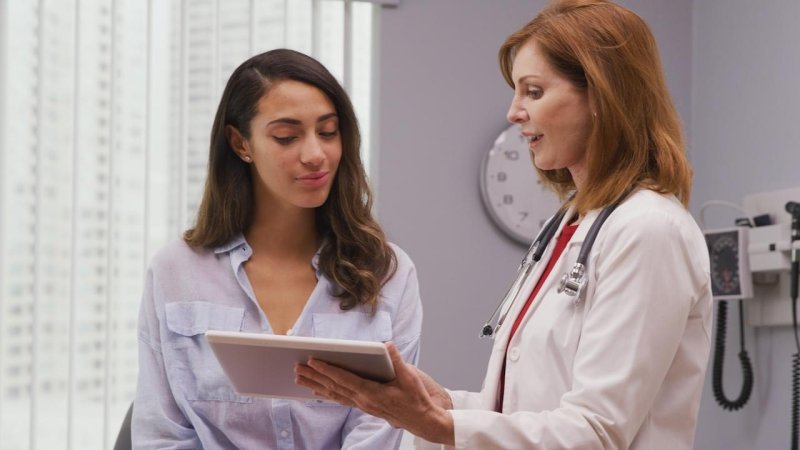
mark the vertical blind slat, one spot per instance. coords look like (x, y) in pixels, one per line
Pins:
(3, 134)
(285, 23)
(316, 36)
(112, 144)
(37, 272)
(251, 30)
(347, 54)
(147, 108)
(183, 113)
(147, 134)
(215, 64)
(73, 282)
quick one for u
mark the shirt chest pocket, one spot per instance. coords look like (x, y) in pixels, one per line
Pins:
(189, 360)
(354, 325)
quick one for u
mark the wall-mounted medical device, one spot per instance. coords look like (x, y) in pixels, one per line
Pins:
(770, 248)
(760, 261)
(731, 279)
(730, 265)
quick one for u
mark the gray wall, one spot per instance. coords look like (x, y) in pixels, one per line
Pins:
(745, 117)
(442, 103)
(732, 68)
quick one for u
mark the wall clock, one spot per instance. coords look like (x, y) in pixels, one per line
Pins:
(514, 198)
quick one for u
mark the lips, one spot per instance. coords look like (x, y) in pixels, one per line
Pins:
(532, 137)
(314, 179)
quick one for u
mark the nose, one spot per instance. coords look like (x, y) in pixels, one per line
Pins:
(516, 113)
(312, 153)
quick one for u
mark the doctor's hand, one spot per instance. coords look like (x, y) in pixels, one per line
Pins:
(413, 400)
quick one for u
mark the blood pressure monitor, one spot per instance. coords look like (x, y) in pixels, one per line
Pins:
(514, 198)
(730, 273)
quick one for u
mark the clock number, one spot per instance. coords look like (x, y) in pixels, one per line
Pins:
(514, 197)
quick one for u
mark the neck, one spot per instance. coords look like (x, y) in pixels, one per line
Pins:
(578, 176)
(283, 231)
(578, 173)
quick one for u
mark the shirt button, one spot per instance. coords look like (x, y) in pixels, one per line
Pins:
(284, 433)
(513, 354)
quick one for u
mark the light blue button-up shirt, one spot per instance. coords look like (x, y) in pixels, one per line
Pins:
(185, 401)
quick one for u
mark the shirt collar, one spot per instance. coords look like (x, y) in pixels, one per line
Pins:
(235, 242)
(238, 240)
(315, 258)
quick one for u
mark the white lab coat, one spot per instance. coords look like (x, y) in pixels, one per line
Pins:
(623, 368)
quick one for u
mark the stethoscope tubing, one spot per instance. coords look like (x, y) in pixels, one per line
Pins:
(573, 282)
(533, 255)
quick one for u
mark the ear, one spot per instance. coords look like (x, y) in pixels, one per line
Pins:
(237, 142)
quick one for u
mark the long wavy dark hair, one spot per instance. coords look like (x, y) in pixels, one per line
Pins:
(356, 255)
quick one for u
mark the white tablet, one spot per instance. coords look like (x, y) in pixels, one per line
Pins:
(263, 364)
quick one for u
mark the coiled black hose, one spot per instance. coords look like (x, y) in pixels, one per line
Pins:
(795, 274)
(719, 359)
(795, 398)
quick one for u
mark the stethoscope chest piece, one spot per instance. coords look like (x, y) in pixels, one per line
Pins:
(574, 282)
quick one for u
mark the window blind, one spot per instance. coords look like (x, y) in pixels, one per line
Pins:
(105, 112)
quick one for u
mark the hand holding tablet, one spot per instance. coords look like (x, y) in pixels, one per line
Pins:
(263, 364)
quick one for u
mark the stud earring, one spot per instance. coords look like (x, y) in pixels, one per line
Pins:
(248, 159)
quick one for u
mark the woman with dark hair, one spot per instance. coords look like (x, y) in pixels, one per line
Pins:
(604, 342)
(284, 243)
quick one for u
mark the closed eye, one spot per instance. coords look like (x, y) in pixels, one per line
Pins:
(329, 134)
(284, 140)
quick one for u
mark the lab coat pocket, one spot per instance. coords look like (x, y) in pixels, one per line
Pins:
(189, 359)
(354, 325)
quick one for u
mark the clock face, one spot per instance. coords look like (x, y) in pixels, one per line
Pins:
(723, 250)
(512, 193)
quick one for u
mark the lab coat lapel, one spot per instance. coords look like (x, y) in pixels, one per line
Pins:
(565, 264)
(529, 284)
(501, 339)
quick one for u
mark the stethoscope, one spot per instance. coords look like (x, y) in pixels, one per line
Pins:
(572, 282)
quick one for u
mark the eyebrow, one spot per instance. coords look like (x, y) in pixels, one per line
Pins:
(291, 121)
(525, 77)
